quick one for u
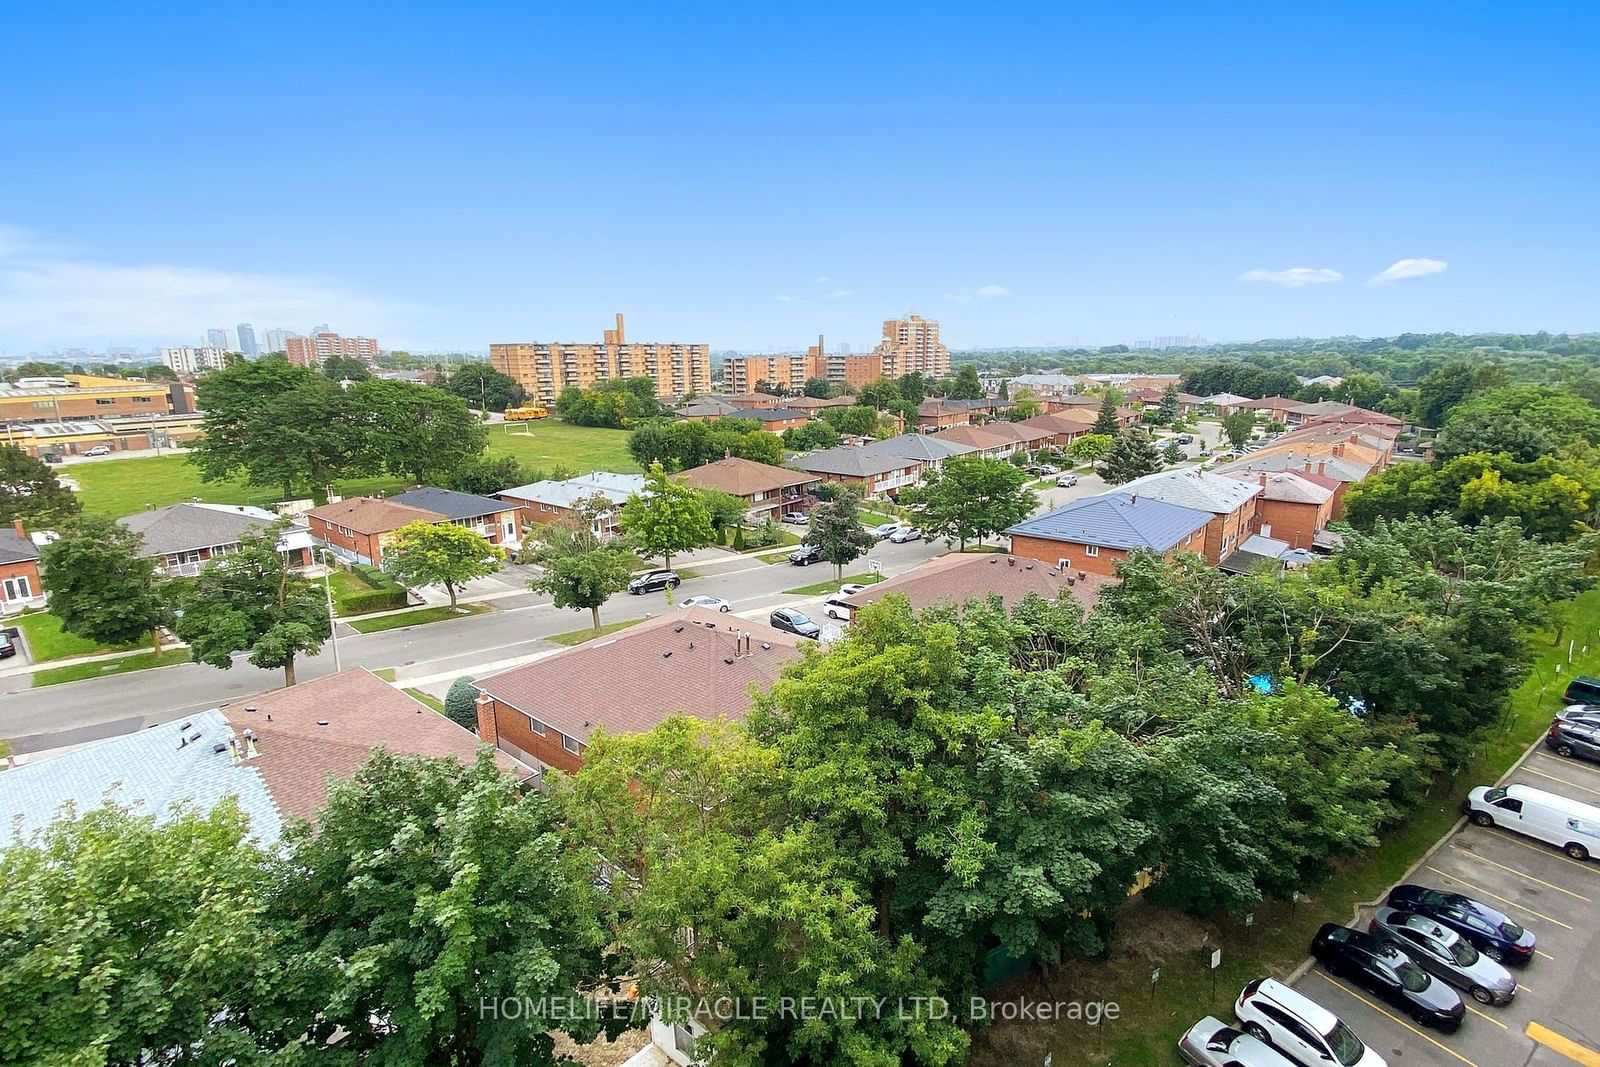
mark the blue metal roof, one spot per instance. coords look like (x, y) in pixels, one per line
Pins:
(1117, 520)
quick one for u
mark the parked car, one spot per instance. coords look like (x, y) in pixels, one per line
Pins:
(650, 581)
(1299, 1027)
(1574, 737)
(1213, 1043)
(1444, 954)
(1580, 713)
(883, 530)
(7, 647)
(795, 622)
(799, 518)
(1046, 468)
(1186, 439)
(51, 457)
(1066, 481)
(850, 588)
(805, 556)
(1582, 690)
(99, 450)
(835, 608)
(905, 534)
(710, 603)
(1489, 931)
(1570, 825)
(1382, 968)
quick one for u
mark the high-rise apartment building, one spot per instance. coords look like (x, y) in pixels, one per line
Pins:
(313, 351)
(278, 340)
(741, 374)
(247, 340)
(545, 368)
(218, 338)
(188, 359)
(912, 344)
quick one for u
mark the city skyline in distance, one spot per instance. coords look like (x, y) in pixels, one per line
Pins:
(1031, 178)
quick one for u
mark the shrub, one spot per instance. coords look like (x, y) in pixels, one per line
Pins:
(762, 536)
(461, 703)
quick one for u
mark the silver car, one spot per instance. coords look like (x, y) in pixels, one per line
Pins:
(1445, 954)
(1212, 1043)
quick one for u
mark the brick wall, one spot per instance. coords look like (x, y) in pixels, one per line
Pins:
(369, 546)
(1050, 551)
(500, 724)
(1294, 522)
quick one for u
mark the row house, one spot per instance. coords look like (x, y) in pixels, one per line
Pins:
(1094, 534)
(1292, 506)
(183, 538)
(999, 440)
(767, 491)
(1343, 471)
(1230, 501)
(361, 528)
(20, 587)
(1064, 427)
(872, 472)
(937, 414)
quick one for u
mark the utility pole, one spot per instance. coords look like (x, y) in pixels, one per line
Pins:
(333, 624)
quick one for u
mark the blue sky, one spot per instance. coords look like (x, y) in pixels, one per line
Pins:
(446, 176)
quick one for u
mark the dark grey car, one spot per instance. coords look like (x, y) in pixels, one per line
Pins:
(1212, 1043)
(1444, 954)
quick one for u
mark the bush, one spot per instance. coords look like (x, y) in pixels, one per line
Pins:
(739, 542)
(461, 703)
(386, 592)
(762, 536)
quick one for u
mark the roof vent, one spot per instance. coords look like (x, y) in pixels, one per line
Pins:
(678, 629)
(195, 736)
(219, 748)
(1029, 567)
(1083, 576)
(667, 654)
(1011, 561)
(185, 727)
(727, 659)
(322, 722)
(251, 708)
(249, 735)
(766, 646)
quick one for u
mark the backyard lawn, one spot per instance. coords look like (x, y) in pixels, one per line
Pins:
(47, 641)
(551, 443)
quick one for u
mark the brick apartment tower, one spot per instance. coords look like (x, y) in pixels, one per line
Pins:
(912, 344)
(544, 369)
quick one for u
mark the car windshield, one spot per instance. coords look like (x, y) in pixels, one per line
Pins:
(1494, 794)
(1347, 1047)
(1413, 977)
(1512, 930)
(1463, 953)
(798, 619)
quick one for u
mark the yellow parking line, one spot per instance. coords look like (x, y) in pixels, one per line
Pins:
(1396, 1018)
(1563, 781)
(1522, 988)
(1497, 896)
(1556, 855)
(1491, 1018)
(1520, 874)
(1564, 1045)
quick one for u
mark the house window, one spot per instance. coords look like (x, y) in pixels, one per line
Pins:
(1063, 564)
(536, 726)
(1091, 550)
(142, 399)
(571, 744)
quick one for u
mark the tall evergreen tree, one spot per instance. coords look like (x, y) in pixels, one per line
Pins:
(1132, 455)
(1106, 422)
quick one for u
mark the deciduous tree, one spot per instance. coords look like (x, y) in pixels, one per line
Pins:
(103, 586)
(30, 491)
(968, 498)
(425, 553)
(578, 568)
(836, 530)
(667, 518)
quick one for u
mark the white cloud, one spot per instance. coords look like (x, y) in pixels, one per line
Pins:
(50, 297)
(988, 292)
(785, 298)
(840, 294)
(960, 298)
(822, 280)
(1294, 277)
(1401, 269)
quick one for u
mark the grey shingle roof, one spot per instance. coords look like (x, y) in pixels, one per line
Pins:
(186, 527)
(149, 770)
(14, 549)
(448, 502)
(1194, 488)
(852, 462)
(919, 446)
(1117, 520)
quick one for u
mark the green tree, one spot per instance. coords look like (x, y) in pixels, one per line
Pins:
(813, 435)
(102, 585)
(1091, 447)
(820, 388)
(249, 600)
(1025, 406)
(425, 553)
(666, 519)
(347, 368)
(965, 385)
(1237, 427)
(1132, 455)
(968, 498)
(727, 512)
(461, 704)
(1167, 413)
(30, 491)
(1441, 390)
(579, 569)
(416, 431)
(486, 475)
(484, 388)
(619, 403)
(466, 896)
(1173, 453)
(125, 941)
(859, 420)
(1106, 423)
(836, 531)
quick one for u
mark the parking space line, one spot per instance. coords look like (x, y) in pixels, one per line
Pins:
(1520, 874)
(1563, 781)
(1556, 855)
(1386, 1013)
(1542, 952)
(1497, 896)
(1565, 1046)
(1485, 1015)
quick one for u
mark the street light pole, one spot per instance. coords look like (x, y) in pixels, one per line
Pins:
(333, 624)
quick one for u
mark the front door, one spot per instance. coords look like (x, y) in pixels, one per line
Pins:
(17, 588)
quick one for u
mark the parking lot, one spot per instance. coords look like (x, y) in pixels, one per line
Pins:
(1555, 1018)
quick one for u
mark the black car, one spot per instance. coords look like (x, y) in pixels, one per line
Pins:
(1582, 690)
(1186, 439)
(1490, 932)
(1390, 973)
(7, 647)
(653, 580)
(795, 622)
(1574, 738)
(805, 555)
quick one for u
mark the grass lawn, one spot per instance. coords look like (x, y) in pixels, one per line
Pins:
(79, 671)
(874, 517)
(416, 618)
(829, 586)
(551, 443)
(424, 698)
(785, 539)
(1150, 937)
(386, 673)
(47, 641)
(119, 487)
(578, 637)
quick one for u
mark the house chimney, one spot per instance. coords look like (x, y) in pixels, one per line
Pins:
(1263, 479)
(1322, 467)
(488, 731)
(16, 524)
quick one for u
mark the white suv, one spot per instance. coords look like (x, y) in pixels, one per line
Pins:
(1300, 1028)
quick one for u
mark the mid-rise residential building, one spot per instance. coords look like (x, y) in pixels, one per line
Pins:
(544, 369)
(912, 344)
(746, 374)
(247, 340)
(313, 351)
(188, 359)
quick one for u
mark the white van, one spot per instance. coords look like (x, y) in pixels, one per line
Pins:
(1572, 826)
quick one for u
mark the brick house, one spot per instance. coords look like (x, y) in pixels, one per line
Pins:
(693, 661)
(183, 538)
(1293, 507)
(872, 472)
(1231, 501)
(539, 503)
(494, 520)
(936, 414)
(1227, 403)
(958, 577)
(767, 491)
(1064, 427)
(19, 570)
(357, 529)
(1094, 534)
(991, 441)
(1342, 471)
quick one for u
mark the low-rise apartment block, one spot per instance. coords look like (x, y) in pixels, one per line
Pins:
(318, 348)
(767, 491)
(1094, 534)
(544, 369)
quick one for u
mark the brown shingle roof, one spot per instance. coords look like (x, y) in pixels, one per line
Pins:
(980, 437)
(361, 712)
(743, 477)
(631, 682)
(1061, 421)
(371, 515)
(959, 577)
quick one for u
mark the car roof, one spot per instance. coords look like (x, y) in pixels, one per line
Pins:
(1315, 1015)
(1575, 808)
(1423, 924)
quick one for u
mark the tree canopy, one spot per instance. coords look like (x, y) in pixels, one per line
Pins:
(103, 586)
(426, 553)
(30, 491)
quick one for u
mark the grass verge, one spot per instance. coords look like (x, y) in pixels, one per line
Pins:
(578, 637)
(818, 588)
(1149, 937)
(386, 673)
(140, 662)
(47, 640)
(416, 618)
(424, 698)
